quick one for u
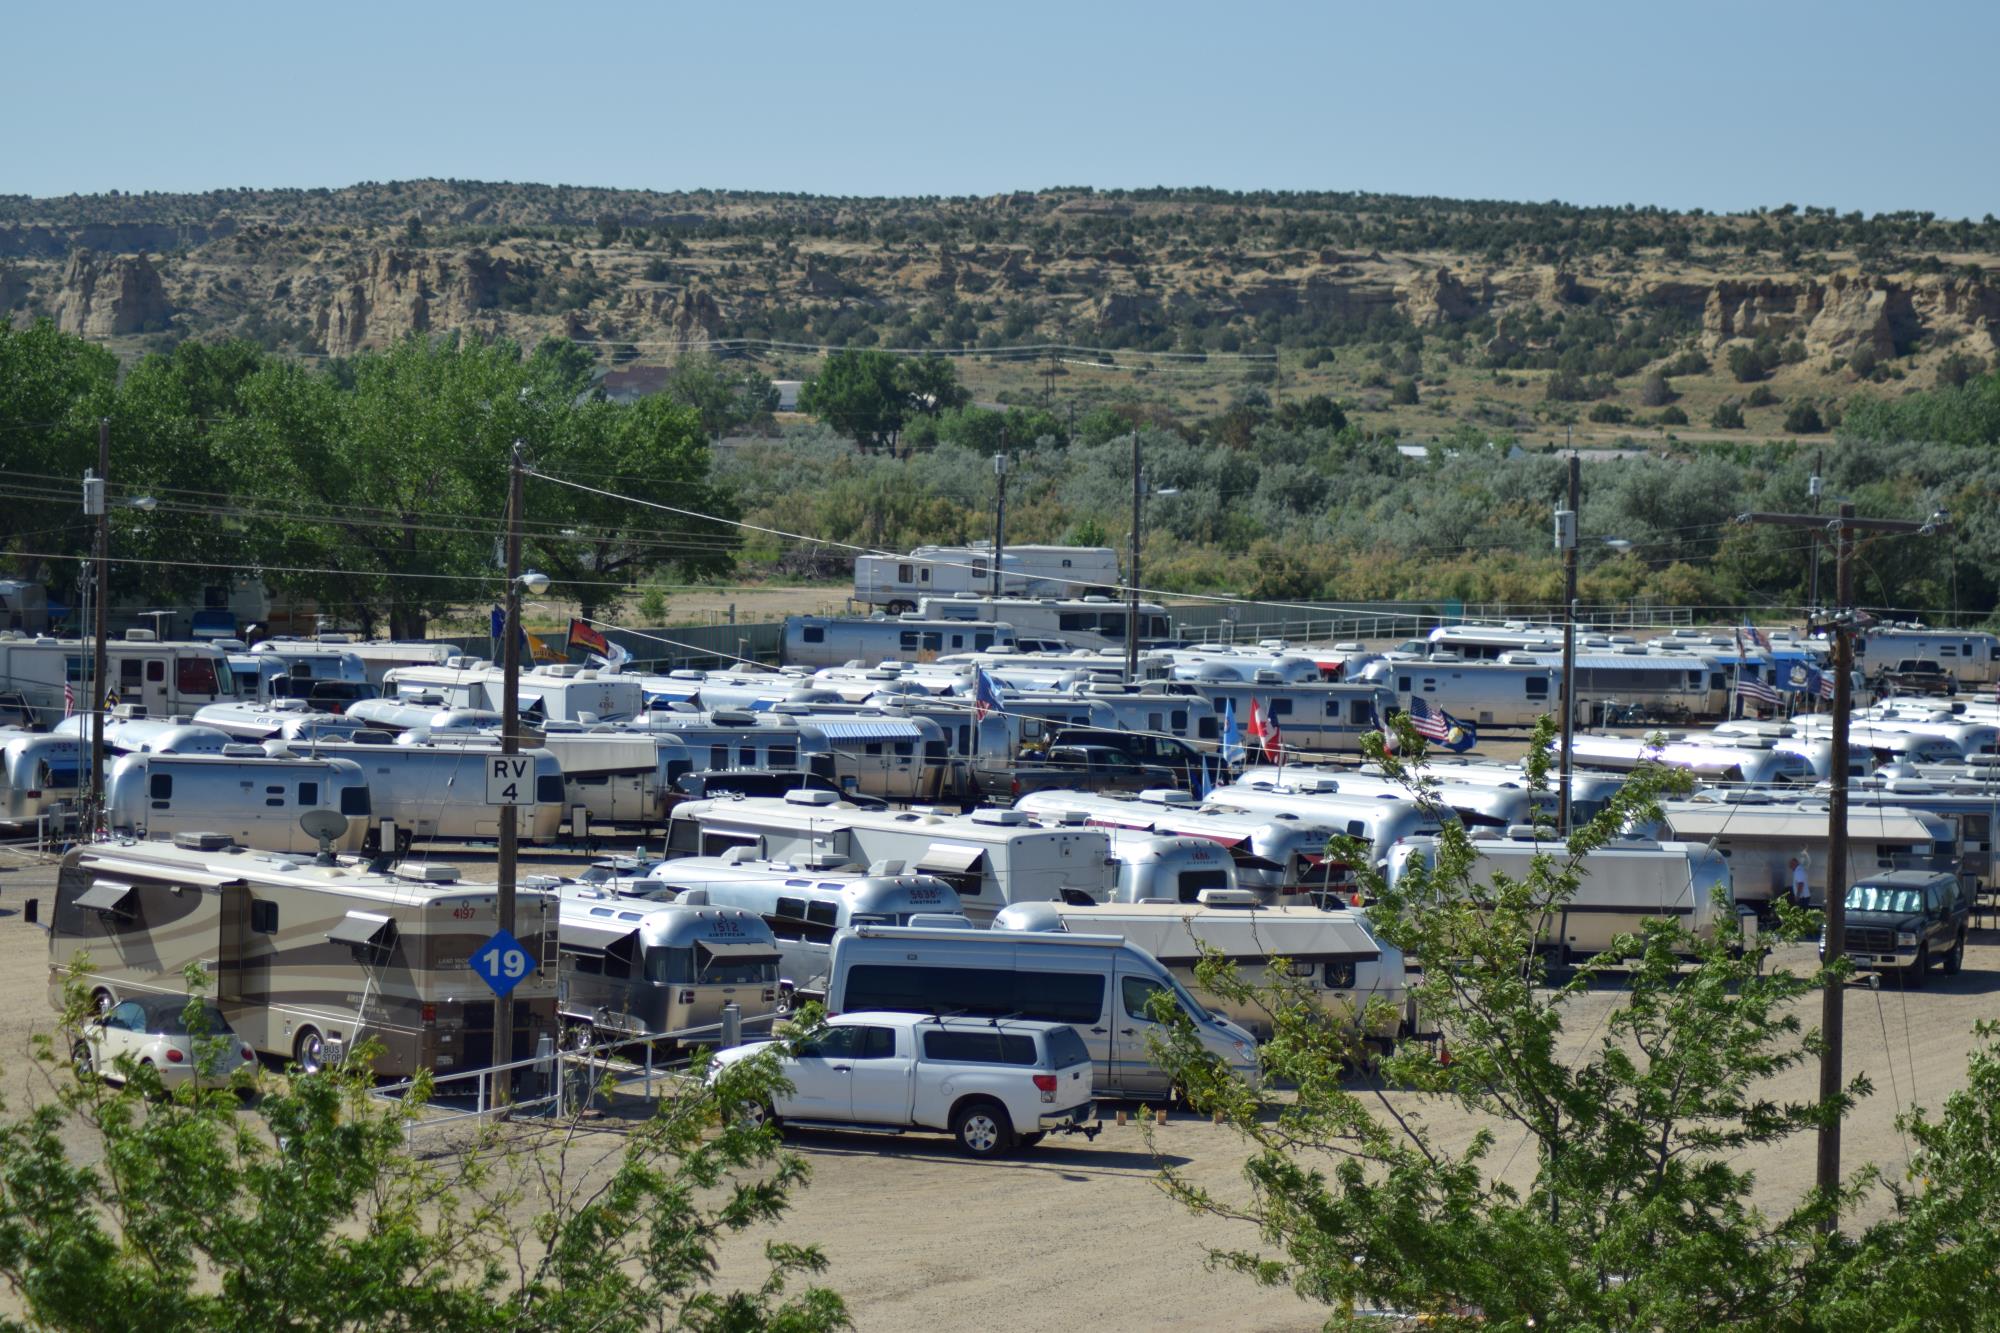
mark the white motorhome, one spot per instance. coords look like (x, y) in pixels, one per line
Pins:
(1281, 857)
(1971, 657)
(561, 693)
(1099, 984)
(990, 857)
(1498, 692)
(281, 719)
(1334, 953)
(306, 959)
(1733, 758)
(1623, 885)
(804, 908)
(243, 793)
(1968, 736)
(899, 582)
(163, 678)
(1760, 838)
(1089, 622)
(1474, 643)
(124, 734)
(831, 641)
(1492, 805)
(324, 674)
(634, 967)
(1379, 821)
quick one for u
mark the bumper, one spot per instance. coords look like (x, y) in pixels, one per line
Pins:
(1069, 1119)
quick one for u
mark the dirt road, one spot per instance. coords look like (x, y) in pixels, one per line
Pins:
(1076, 1234)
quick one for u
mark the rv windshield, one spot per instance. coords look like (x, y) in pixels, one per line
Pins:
(678, 967)
(1188, 1002)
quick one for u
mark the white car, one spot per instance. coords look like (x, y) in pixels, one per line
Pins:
(153, 1031)
(990, 1084)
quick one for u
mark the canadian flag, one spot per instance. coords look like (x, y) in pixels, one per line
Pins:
(1263, 732)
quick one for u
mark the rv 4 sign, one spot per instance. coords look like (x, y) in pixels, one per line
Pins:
(501, 962)
(510, 779)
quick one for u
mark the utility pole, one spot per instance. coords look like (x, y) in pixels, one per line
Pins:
(96, 502)
(1813, 488)
(1566, 543)
(1132, 582)
(1842, 623)
(999, 511)
(510, 743)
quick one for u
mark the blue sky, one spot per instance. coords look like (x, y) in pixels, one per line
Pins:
(1686, 104)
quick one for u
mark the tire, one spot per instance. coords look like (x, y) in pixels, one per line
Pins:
(309, 1051)
(578, 1038)
(1954, 961)
(1030, 1140)
(982, 1129)
(102, 1002)
(1920, 971)
(782, 1007)
(758, 1115)
(81, 1060)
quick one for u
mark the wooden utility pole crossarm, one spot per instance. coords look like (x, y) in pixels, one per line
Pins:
(1841, 624)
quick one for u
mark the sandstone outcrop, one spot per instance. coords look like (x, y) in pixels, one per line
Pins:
(1439, 297)
(106, 296)
(1835, 317)
(405, 291)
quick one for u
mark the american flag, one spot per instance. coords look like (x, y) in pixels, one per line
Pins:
(1757, 639)
(1749, 687)
(1826, 685)
(1432, 726)
(985, 698)
(69, 699)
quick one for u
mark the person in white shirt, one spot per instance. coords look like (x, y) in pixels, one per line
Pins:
(1801, 894)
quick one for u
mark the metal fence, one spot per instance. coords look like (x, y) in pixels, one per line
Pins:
(1248, 622)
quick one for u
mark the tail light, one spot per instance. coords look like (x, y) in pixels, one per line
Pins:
(770, 994)
(430, 1013)
(249, 1056)
(174, 1055)
(34, 795)
(687, 997)
(1046, 1085)
(1014, 787)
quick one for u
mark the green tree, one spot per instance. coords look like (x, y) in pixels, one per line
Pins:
(860, 394)
(128, 1208)
(1638, 1214)
(1804, 419)
(1728, 415)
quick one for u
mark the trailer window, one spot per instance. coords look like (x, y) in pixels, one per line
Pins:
(1360, 712)
(160, 787)
(354, 802)
(264, 916)
(980, 641)
(308, 793)
(156, 671)
(1403, 684)
(549, 789)
(718, 756)
(715, 844)
(1338, 976)
(274, 796)
(128, 671)
(1538, 687)
(1192, 882)
(813, 634)
(194, 675)
(782, 756)
(746, 756)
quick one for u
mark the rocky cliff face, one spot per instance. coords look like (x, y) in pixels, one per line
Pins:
(1441, 297)
(103, 297)
(1838, 316)
(403, 291)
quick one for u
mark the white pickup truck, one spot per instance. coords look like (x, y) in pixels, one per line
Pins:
(990, 1084)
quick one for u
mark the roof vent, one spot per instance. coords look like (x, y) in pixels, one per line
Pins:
(1228, 898)
(1522, 833)
(202, 842)
(243, 752)
(733, 717)
(430, 874)
(812, 796)
(1006, 818)
(1167, 796)
(141, 636)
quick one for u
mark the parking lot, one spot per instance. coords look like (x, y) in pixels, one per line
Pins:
(1078, 1233)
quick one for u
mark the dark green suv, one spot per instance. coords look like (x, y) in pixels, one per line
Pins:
(1905, 920)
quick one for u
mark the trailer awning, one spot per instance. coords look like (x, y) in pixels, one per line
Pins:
(951, 858)
(747, 951)
(620, 941)
(108, 896)
(866, 729)
(364, 930)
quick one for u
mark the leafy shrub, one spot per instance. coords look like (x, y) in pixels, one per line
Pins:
(1727, 416)
(1404, 392)
(1804, 419)
(1673, 416)
(1761, 396)
(1610, 413)
(1654, 391)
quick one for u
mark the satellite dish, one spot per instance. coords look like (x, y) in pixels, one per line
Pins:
(324, 826)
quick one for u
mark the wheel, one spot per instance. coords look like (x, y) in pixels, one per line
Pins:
(82, 1060)
(757, 1115)
(578, 1038)
(1920, 971)
(1955, 960)
(1030, 1140)
(783, 1007)
(102, 1001)
(309, 1051)
(982, 1129)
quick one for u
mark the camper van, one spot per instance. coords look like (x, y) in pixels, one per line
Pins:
(164, 678)
(1623, 886)
(1334, 953)
(634, 967)
(1280, 857)
(1089, 622)
(831, 641)
(559, 693)
(39, 775)
(1500, 692)
(990, 857)
(804, 908)
(899, 582)
(1099, 984)
(306, 958)
(250, 796)
(426, 793)
(1760, 837)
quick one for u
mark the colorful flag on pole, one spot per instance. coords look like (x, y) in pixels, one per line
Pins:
(69, 699)
(1436, 725)
(497, 630)
(1826, 684)
(581, 635)
(1749, 687)
(1263, 734)
(613, 658)
(1232, 744)
(985, 695)
(1757, 639)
